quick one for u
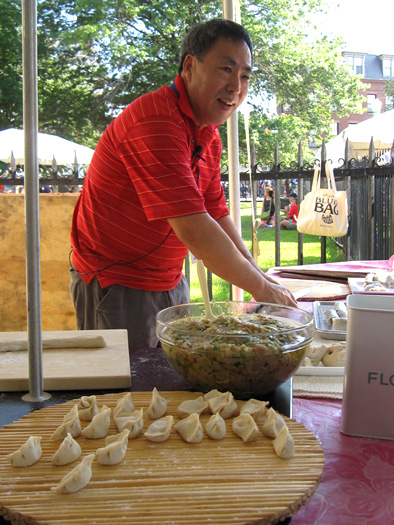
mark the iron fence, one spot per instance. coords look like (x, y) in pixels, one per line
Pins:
(368, 182)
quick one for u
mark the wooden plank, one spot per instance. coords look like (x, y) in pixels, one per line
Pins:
(324, 291)
(174, 482)
(70, 368)
(341, 270)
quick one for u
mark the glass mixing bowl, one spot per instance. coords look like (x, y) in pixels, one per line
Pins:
(249, 349)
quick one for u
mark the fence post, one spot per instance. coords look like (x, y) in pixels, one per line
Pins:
(370, 216)
(55, 173)
(300, 236)
(277, 205)
(253, 197)
(187, 268)
(347, 188)
(323, 240)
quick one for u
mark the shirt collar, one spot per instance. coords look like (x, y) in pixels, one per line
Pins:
(184, 102)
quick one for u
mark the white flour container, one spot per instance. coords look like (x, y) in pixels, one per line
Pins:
(368, 390)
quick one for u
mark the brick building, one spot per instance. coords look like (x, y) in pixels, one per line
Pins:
(375, 71)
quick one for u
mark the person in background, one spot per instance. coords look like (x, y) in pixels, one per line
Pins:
(291, 210)
(153, 192)
(268, 209)
(287, 188)
(46, 189)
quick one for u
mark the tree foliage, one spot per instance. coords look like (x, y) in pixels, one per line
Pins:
(95, 56)
(10, 64)
(389, 92)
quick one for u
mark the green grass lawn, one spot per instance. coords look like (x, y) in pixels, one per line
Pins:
(266, 259)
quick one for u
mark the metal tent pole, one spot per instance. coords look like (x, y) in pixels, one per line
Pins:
(32, 222)
(233, 158)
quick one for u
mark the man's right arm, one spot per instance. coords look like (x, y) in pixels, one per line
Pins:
(227, 258)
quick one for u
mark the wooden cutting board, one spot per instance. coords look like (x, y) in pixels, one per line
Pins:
(340, 270)
(324, 291)
(70, 368)
(174, 482)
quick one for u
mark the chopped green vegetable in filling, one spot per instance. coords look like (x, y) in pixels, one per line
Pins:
(250, 353)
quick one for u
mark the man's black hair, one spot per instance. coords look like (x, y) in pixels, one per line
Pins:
(202, 37)
(294, 195)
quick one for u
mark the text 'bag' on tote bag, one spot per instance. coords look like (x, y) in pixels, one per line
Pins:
(324, 210)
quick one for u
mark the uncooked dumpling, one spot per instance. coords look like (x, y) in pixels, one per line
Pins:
(284, 443)
(99, 426)
(124, 404)
(115, 449)
(133, 421)
(223, 404)
(71, 425)
(68, 451)
(158, 405)
(336, 355)
(190, 429)
(216, 427)
(273, 423)
(71, 414)
(28, 454)
(78, 478)
(192, 406)
(245, 427)
(212, 393)
(160, 429)
(87, 408)
(254, 407)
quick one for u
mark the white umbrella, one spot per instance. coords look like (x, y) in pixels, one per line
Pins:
(49, 147)
(380, 128)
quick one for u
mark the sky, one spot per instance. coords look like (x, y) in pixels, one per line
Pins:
(365, 25)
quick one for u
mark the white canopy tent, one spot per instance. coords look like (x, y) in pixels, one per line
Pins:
(49, 147)
(380, 128)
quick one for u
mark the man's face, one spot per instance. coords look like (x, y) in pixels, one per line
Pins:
(218, 84)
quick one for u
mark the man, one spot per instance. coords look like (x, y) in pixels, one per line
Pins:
(290, 222)
(153, 192)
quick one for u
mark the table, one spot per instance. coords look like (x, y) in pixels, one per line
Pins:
(357, 485)
(149, 369)
(358, 479)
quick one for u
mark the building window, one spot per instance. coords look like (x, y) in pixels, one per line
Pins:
(388, 67)
(356, 63)
(285, 108)
(389, 102)
(370, 102)
(334, 128)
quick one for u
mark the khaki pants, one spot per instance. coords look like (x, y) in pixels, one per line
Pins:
(117, 307)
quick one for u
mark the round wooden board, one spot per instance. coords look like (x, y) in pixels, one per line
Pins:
(213, 482)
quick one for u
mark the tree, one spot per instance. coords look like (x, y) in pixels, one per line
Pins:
(10, 64)
(304, 71)
(96, 56)
(389, 92)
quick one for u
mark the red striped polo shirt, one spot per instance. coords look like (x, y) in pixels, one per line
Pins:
(143, 172)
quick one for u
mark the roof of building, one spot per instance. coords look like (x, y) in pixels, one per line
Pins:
(373, 65)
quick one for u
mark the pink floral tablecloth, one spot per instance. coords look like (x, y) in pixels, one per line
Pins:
(357, 486)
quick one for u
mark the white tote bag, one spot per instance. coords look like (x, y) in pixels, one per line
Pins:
(324, 210)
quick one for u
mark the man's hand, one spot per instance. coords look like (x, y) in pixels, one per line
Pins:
(278, 294)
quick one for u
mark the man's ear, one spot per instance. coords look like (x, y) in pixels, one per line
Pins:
(188, 64)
